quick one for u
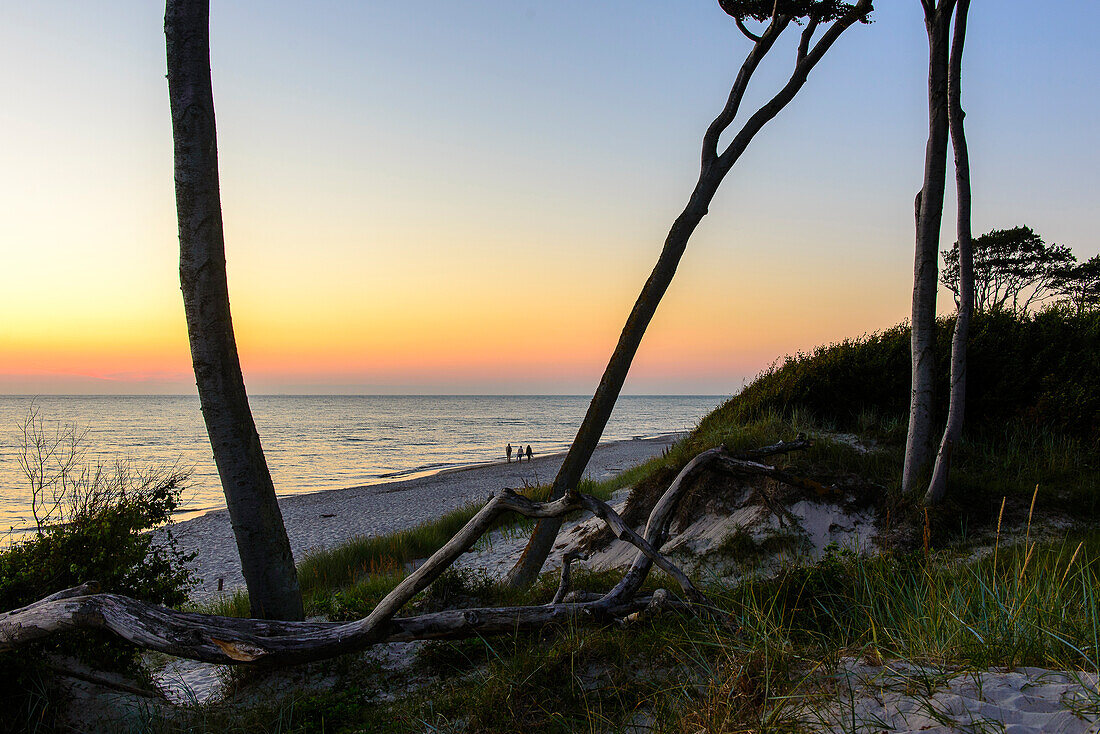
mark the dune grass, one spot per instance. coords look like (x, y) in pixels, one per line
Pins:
(1027, 603)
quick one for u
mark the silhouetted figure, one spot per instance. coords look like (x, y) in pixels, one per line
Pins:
(528, 452)
(508, 452)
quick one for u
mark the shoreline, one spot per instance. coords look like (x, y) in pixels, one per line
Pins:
(185, 515)
(325, 518)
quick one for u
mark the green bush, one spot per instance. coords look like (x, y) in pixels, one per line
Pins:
(104, 542)
(90, 527)
(1041, 370)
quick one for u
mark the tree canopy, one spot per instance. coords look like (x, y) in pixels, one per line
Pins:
(1013, 269)
(818, 11)
(1079, 285)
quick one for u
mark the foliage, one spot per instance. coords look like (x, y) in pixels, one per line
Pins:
(1079, 285)
(90, 523)
(1013, 269)
(820, 11)
(1040, 370)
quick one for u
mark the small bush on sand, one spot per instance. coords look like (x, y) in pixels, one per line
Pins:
(89, 523)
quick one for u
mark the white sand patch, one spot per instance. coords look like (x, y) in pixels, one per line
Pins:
(902, 697)
(190, 681)
(802, 532)
(825, 524)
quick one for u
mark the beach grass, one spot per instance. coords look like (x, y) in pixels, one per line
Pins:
(1025, 603)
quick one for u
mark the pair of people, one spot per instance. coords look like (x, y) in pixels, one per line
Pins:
(519, 452)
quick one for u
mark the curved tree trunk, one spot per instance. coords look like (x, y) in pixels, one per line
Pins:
(938, 486)
(262, 542)
(918, 444)
(713, 170)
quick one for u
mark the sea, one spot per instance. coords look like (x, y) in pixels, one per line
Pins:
(314, 442)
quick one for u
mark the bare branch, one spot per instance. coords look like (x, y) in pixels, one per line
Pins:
(228, 640)
(801, 443)
(566, 566)
(804, 40)
(748, 34)
(801, 71)
(718, 126)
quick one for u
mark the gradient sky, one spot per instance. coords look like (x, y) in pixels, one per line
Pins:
(466, 197)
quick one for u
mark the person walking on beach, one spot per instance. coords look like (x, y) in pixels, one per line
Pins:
(508, 452)
(528, 452)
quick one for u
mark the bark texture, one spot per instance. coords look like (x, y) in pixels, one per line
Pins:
(266, 558)
(713, 168)
(235, 641)
(918, 444)
(938, 486)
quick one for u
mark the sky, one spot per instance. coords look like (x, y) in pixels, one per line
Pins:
(466, 197)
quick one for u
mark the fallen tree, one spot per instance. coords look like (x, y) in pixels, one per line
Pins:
(231, 640)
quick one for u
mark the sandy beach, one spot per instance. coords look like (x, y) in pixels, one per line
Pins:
(321, 520)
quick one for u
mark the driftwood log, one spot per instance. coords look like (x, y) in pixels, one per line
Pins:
(231, 640)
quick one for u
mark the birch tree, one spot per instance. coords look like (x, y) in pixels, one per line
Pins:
(928, 210)
(956, 409)
(262, 542)
(832, 17)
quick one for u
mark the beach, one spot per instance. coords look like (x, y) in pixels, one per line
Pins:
(321, 520)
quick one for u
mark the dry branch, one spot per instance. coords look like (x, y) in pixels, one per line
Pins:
(232, 640)
(229, 640)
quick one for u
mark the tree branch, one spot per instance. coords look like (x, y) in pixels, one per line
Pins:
(798, 78)
(231, 640)
(804, 40)
(748, 34)
(737, 92)
(801, 443)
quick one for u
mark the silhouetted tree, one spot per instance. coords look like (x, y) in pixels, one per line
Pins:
(1014, 269)
(1079, 285)
(965, 263)
(266, 558)
(835, 17)
(928, 210)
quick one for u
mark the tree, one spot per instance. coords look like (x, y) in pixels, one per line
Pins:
(778, 15)
(1079, 285)
(1014, 269)
(266, 558)
(965, 263)
(928, 210)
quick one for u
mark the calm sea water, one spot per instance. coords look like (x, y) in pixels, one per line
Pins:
(323, 442)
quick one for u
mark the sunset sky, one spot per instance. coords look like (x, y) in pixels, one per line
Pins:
(466, 197)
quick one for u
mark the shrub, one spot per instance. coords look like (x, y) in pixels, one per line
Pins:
(1040, 370)
(89, 527)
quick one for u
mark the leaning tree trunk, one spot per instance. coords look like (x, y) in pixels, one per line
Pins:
(938, 486)
(713, 169)
(266, 559)
(918, 444)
